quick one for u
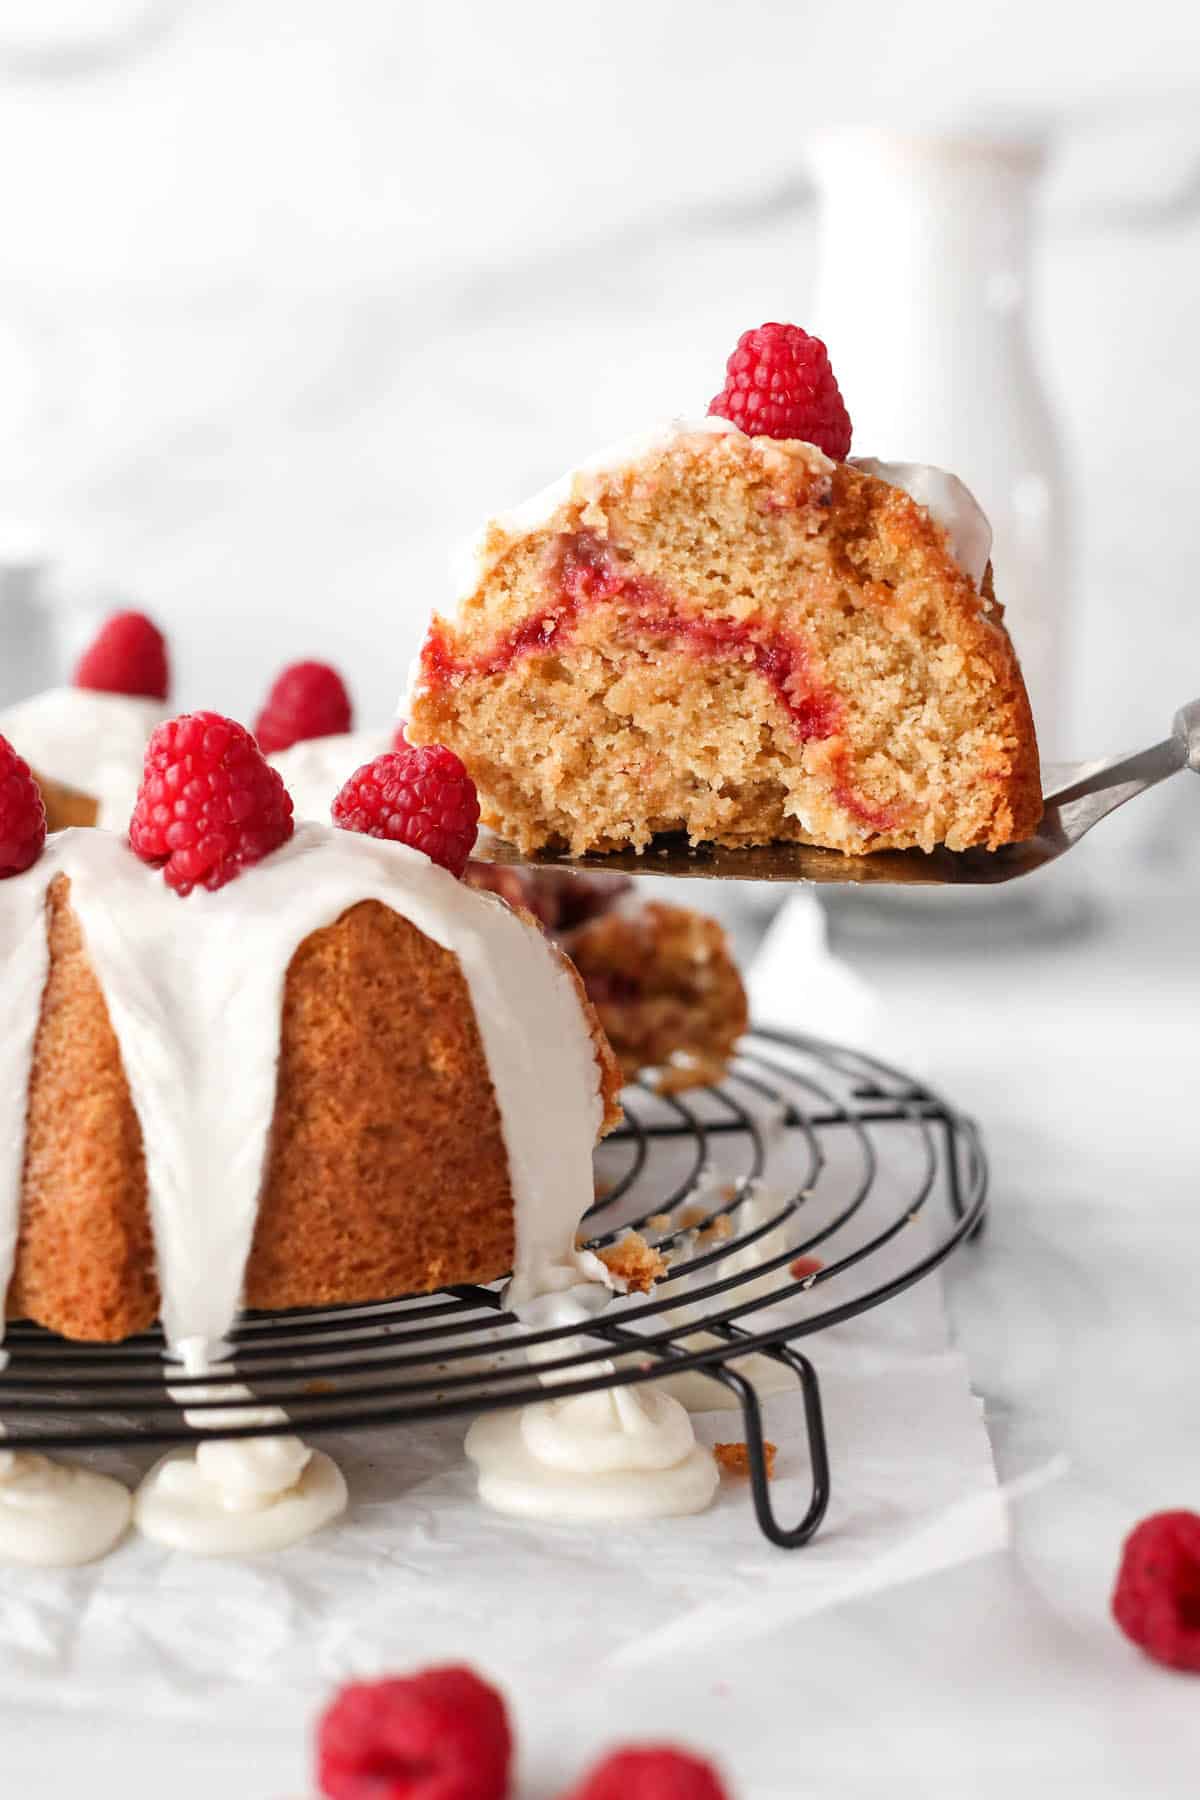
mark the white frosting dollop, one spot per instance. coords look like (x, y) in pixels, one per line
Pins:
(314, 771)
(233, 1496)
(205, 1136)
(606, 1456)
(94, 743)
(949, 503)
(225, 1507)
(56, 1515)
(621, 1453)
(594, 1434)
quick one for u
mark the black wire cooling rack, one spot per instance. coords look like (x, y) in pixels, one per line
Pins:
(784, 1200)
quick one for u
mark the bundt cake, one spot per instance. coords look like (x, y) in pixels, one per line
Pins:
(343, 1076)
(740, 638)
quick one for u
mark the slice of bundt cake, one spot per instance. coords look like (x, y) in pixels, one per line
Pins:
(342, 1076)
(741, 638)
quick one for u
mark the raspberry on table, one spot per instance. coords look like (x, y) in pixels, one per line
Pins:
(307, 700)
(778, 383)
(127, 656)
(651, 1772)
(209, 805)
(439, 1735)
(417, 796)
(22, 814)
(1156, 1601)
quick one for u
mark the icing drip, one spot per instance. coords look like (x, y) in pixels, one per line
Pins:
(94, 743)
(205, 1122)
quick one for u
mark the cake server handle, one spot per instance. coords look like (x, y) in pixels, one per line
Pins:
(1187, 730)
(1090, 793)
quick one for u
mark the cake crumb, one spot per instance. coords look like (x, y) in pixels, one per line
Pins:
(734, 1459)
(721, 1227)
(659, 1222)
(635, 1262)
(320, 1386)
(691, 1216)
(689, 1072)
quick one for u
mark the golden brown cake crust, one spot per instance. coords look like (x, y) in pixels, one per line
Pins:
(386, 1170)
(739, 639)
(85, 1255)
(66, 806)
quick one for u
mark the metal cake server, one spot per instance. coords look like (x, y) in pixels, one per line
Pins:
(1078, 796)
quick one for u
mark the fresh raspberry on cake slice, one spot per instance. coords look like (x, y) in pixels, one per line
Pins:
(741, 637)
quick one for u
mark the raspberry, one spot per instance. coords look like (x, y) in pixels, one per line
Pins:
(778, 383)
(1157, 1597)
(22, 814)
(423, 797)
(440, 1735)
(651, 1772)
(127, 656)
(209, 805)
(308, 700)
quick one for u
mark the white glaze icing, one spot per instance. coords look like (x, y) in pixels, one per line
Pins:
(949, 503)
(56, 1515)
(314, 771)
(235, 1496)
(623, 1453)
(205, 1115)
(94, 743)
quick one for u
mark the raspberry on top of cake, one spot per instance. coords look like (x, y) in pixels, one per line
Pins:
(728, 629)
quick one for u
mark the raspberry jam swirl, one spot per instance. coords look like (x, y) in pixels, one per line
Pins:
(586, 572)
